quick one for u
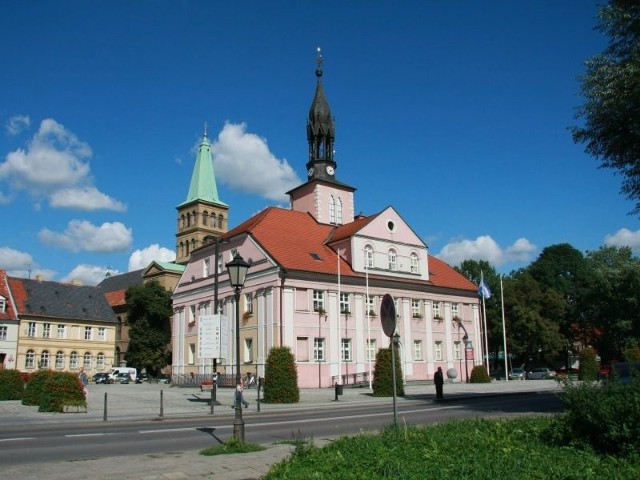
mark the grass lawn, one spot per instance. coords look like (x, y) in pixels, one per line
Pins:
(464, 449)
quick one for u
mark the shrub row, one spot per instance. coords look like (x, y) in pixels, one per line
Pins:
(51, 391)
(11, 385)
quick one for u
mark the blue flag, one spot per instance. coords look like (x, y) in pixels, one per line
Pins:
(484, 290)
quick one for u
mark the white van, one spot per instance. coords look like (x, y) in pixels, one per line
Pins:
(132, 372)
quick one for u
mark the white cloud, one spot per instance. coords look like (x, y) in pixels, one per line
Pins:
(485, 248)
(81, 235)
(243, 161)
(88, 274)
(624, 238)
(11, 259)
(142, 258)
(86, 198)
(17, 124)
(54, 163)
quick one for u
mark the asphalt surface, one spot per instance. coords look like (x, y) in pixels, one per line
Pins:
(156, 402)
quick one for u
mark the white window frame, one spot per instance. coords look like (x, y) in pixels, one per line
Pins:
(3, 332)
(88, 333)
(46, 330)
(248, 302)
(319, 344)
(248, 350)
(73, 361)
(30, 359)
(318, 300)
(416, 308)
(32, 329)
(436, 309)
(455, 310)
(344, 303)
(100, 361)
(86, 361)
(62, 331)
(437, 351)
(102, 334)
(417, 349)
(371, 305)
(45, 358)
(59, 363)
(368, 257)
(392, 256)
(3, 304)
(206, 268)
(415, 263)
(346, 350)
(372, 349)
(457, 350)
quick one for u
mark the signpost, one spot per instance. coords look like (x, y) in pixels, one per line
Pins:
(388, 319)
(213, 336)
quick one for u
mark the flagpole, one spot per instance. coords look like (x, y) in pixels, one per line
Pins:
(339, 332)
(484, 323)
(366, 306)
(504, 334)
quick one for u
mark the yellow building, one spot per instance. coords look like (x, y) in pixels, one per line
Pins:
(63, 327)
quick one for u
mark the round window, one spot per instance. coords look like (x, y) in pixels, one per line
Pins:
(391, 226)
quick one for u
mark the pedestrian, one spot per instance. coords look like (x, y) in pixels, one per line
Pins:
(239, 398)
(438, 380)
(84, 380)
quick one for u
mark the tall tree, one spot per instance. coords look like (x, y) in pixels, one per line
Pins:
(613, 301)
(150, 328)
(611, 88)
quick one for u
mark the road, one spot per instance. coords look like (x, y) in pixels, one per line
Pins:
(42, 444)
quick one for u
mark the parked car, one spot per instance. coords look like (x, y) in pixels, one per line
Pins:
(517, 374)
(122, 378)
(624, 372)
(101, 378)
(541, 374)
(164, 378)
(142, 377)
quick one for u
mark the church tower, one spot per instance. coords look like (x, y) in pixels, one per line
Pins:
(323, 196)
(202, 217)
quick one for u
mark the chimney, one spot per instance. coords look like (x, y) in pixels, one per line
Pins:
(76, 282)
(39, 277)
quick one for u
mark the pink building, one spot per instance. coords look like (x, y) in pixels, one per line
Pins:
(318, 274)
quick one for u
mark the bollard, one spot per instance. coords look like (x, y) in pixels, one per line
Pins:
(161, 410)
(213, 397)
(104, 415)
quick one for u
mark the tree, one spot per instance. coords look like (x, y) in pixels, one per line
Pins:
(612, 301)
(611, 88)
(281, 377)
(383, 376)
(150, 328)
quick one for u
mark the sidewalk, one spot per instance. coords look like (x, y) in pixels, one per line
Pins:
(150, 402)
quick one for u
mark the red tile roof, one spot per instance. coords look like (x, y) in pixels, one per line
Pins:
(9, 311)
(296, 241)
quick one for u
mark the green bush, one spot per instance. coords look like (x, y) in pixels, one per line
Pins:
(632, 354)
(11, 385)
(383, 375)
(589, 367)
(60, 389)
(464, 449)
(479, 375)
(35, 386)
(603, 416)
(281, 377)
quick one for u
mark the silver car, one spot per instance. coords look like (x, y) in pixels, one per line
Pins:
(517, 374)
(541, 374)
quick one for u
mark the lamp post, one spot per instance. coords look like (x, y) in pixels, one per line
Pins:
(467, 347)
(237, 269)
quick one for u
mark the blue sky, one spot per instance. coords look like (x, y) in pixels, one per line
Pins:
(454, 113)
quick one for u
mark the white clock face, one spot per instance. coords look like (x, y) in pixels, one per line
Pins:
(310, 172)
(330, 170)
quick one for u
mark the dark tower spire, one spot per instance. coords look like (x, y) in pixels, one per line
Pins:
(320, 132)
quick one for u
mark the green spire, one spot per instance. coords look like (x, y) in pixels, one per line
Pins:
(203, 181)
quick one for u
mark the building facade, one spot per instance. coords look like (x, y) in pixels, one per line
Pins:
(317, 276)
(62, 327)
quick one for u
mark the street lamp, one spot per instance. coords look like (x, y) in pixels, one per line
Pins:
(237, 269)
(467, 348)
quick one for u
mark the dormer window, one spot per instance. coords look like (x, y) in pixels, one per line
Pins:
(368, 257)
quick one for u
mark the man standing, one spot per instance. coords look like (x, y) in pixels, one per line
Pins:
(438, 380)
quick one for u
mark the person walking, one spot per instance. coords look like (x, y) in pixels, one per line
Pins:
(438, 380)
(239, 398)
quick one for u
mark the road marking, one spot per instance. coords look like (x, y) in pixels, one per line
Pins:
(88, 434)
(185, 429)
(16, 439)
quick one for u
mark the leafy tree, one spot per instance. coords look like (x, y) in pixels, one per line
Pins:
(589, 368)
(531, 313)
(150, 329)
(281, 377)
(612, 301)
(611, 88)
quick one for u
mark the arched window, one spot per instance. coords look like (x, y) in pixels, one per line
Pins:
(339, 211)
(220, 220)
(368, 256)
(332, 209)
(415, 266)
(30, 359)
(188, 219)
(59, 360)
(100, 361)
(205, 218)
(87, 361)
(44, 359)
(73, 361)
(393, 259)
